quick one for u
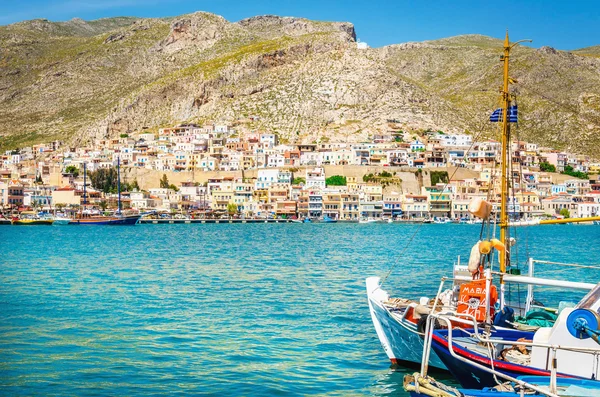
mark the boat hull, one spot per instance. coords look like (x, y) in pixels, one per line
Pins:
(399, 338)
(33, 222)
(107, 221)
(470, 376)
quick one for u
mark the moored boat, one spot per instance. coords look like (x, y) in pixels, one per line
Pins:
(399, 324)
(115, 220)
(61, 220)
(474, 297)
(328, 219)
(367, 220)
(31, 218)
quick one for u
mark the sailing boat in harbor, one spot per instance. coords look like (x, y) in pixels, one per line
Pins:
(112, 220)
(401, 323)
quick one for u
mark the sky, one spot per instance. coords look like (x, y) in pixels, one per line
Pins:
(565, 25)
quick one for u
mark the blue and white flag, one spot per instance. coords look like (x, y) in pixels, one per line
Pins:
(497, 115)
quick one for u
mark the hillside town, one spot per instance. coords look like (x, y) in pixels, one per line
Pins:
(231, 173)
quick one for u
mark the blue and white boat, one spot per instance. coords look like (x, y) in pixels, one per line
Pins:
(328, 219)
(399, 322)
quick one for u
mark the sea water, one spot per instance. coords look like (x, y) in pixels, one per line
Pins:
(228, 309)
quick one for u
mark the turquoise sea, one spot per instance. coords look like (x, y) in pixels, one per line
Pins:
(227, 309)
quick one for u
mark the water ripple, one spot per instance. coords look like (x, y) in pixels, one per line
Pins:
(251, 309)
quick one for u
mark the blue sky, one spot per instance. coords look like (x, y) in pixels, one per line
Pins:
(561, 24)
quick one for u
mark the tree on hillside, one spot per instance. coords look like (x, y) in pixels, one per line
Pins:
(104, 179)
(135, 185)
(71, 169)
(336, 180)
(547, 167)
(164, 182)
(577, 174)
(298, 180)
(438, 176)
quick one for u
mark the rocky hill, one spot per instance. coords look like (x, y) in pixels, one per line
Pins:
(305, 80)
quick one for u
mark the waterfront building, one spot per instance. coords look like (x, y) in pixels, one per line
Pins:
(11, 193)
(554, 204)
(371, 209)
(585, 208)
(67, 195)
(332, 204)
(350, 206)
(392, 205)
(438, 199)
(315, 204)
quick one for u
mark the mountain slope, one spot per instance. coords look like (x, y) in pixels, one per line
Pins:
(305, 80)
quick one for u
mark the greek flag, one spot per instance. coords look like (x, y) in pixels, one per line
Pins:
(497, 115)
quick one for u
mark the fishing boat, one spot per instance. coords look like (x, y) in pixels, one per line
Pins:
(306, 220)
(367, 220)
(328, 219)
(400, 322)
(553, 361)
(31, 218)
(116, 219)
(61, 220)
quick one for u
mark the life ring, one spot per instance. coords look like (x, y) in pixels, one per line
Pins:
(471, 299)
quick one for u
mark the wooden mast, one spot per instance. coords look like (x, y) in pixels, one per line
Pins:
(504, 160)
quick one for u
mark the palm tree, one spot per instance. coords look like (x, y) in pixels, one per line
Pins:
(232, 209)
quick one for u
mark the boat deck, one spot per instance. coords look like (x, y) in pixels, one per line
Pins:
(505, 352)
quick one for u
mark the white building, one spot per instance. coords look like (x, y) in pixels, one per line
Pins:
(315, 178)
(417, 146)
(265, 178)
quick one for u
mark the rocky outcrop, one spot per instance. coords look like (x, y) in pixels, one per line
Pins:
(270, 26)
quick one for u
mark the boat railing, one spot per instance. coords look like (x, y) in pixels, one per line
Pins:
(448, 320)
(529, 280)
(427, 352)
(558, 283)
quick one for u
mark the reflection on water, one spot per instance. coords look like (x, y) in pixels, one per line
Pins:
(250, 309)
